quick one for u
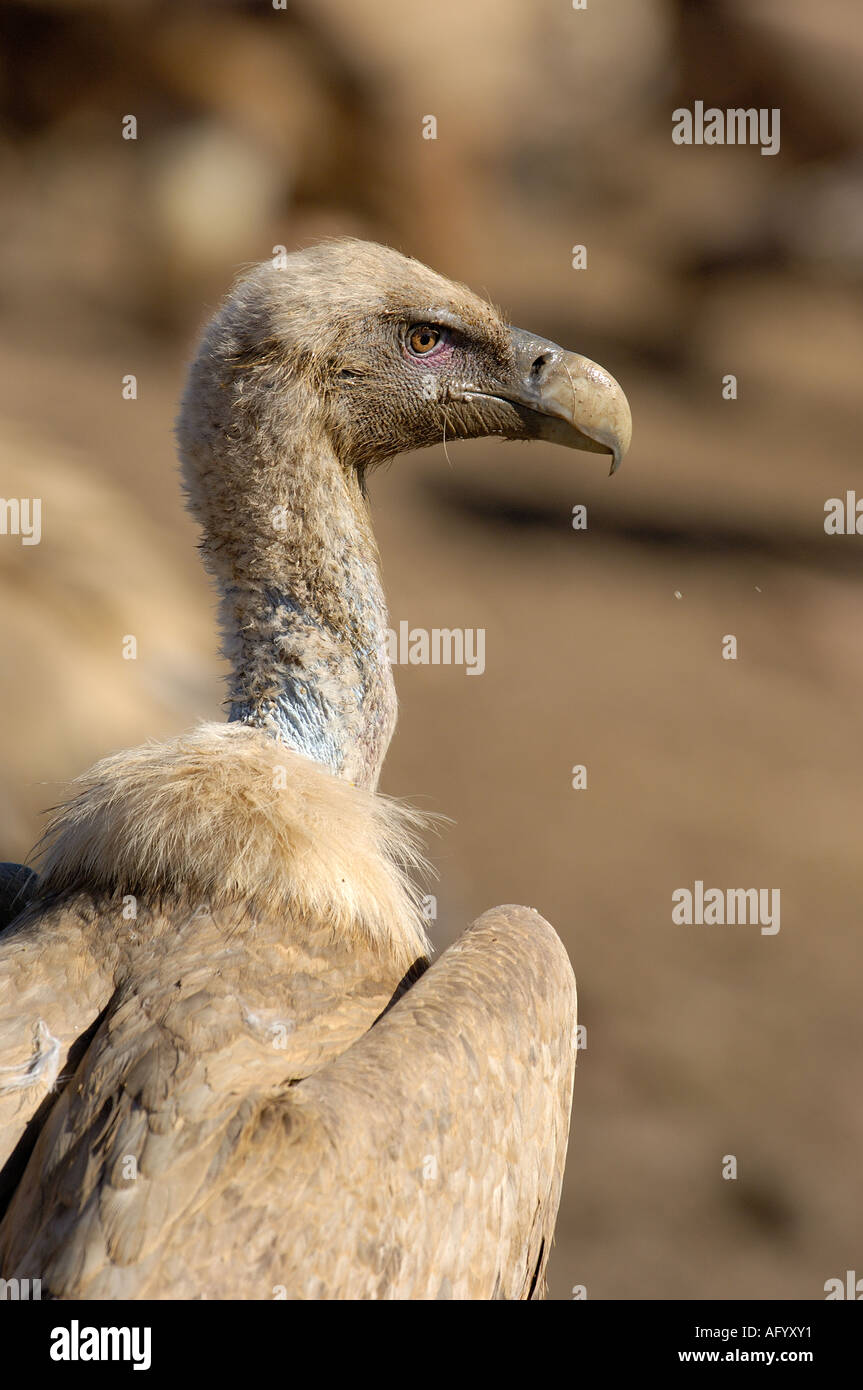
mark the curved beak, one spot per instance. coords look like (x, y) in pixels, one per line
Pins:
(576, 402)
(563, 397)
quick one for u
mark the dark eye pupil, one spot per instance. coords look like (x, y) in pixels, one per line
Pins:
(423, 339)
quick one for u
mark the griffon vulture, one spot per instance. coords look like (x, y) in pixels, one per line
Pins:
(226, 1068)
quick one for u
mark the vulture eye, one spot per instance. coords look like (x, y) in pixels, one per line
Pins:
(422, 338)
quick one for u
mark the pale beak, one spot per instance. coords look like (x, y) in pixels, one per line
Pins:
(576, 401)
(562, 397)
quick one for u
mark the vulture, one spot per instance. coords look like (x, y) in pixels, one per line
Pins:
(228, 1069)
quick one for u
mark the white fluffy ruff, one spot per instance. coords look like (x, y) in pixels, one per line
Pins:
(225, 815)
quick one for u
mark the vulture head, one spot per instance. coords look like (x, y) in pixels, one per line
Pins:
(319, 367)
(384, 356)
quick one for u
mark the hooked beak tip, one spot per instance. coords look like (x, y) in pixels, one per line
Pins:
(574, 401)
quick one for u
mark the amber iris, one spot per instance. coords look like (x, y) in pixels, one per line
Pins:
(423, 338)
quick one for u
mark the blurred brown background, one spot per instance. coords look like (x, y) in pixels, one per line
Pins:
(258, 127)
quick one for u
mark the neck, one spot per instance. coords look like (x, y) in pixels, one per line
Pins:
(302, 611)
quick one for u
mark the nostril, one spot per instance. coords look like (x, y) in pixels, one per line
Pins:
(539, 363)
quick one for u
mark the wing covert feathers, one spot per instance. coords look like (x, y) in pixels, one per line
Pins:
(423, 1162)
